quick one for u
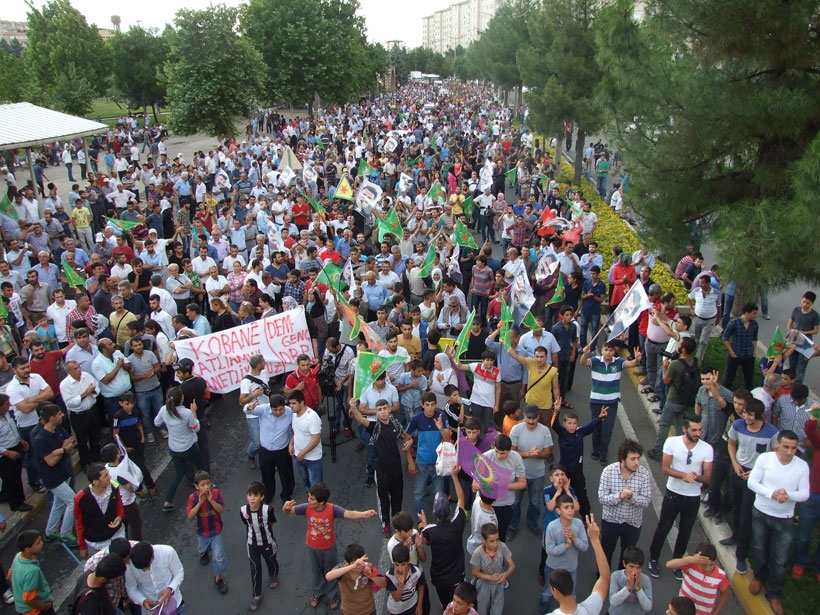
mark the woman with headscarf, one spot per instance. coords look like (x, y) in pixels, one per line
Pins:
(623, 277)
(442, 375)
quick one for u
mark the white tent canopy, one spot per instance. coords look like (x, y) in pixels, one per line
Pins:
(25, 125)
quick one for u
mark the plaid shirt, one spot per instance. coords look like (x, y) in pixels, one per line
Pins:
(743, 338)
(235, 281)
(116, 588)
(713, 417)
(616, 510)
(297, 291)
(791, 416)
(520, 234)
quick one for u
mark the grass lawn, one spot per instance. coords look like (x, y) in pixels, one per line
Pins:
(105, 107)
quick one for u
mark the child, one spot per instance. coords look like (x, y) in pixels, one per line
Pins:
(128, 427)
(454, 408)
(630, 592)
(321, 538)
(206, 506)
(47, 333)
(571, 445)
(472, 433)
(407, 535)
(28, 583)
(703, 580)
(511, 416)
(406, 584)
(559, 484)
(410, 385)
(492, 566)
(358, 580)
(564, 539)
(482, 513)
(259, 518)
(485, 396)
(128, 479)
(681, 605)
(464, 600)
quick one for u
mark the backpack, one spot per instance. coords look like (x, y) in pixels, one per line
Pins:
(690, 383)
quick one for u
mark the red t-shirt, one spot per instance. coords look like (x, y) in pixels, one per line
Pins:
(311, 381)
(47, 368)
(301, 214)
(321, 529)
(127, 250)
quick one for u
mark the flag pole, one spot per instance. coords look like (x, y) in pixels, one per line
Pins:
(592, 341)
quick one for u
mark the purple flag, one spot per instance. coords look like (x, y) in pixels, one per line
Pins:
(493, 480)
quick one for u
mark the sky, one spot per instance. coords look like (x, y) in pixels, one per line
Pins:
(386, 20)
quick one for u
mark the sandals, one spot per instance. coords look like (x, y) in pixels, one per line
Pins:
(254, 605)
(335, 604)
(646, 390)
(567, 405)
(654, 398)
(273, 583)
(314, 601)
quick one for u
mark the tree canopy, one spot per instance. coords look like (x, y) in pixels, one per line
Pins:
(214, 75)
(137, 57)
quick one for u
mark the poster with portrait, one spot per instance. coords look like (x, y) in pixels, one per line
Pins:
(368, 196)
(405, 182)
(390, 145)
(309, 175)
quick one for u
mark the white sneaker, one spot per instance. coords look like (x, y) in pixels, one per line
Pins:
(149, 438)
(8, 597)
(163, 433)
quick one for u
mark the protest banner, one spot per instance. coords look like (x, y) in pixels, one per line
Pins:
(221, 359)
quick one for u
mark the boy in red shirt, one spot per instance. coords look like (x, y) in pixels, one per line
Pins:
(703, 581)
(206, 506)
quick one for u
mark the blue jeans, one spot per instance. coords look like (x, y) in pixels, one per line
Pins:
(364, 436)
(587, 321)
(219, 559)
(546, 603)
(309, 470)
(29, 459)
(809, 518)
(341, 412)
(111, 405)
(62, 510)
(602, 185)
(772, 545)
(534, 488)
(253, 432)
(426, 475)
(800, 364)
(602, 433)
(148, 404)
(672, 413)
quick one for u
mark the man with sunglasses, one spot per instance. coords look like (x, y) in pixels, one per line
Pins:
(687, 461)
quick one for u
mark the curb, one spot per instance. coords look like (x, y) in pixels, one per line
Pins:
(752, 605)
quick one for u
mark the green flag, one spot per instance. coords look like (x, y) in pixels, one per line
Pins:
(530, 322)
(351, 314)
(504, 323)
(414, 162)
(558, 297)
(125, 225)
(72, 278)
(370, 366)
(7, 209)
(389, 224)
(545, 183)
(468, 206)
(777, 346)
(436, 192)
(316, 205)
(365, 168)
(463, 237)
(464, 336)
(511, 175)
(427, 266)
(4, 311)
(343, 190)
(330, 275)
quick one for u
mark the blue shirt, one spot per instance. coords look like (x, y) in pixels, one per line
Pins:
(274, 431)
(590, 307)
(377, 294)
(743, 338)
(511, 370)
(183, 187)
(429, 436)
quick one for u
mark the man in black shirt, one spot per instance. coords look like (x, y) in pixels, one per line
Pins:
(90, 593)
(195, 389)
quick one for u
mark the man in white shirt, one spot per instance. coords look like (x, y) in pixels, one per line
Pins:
(704, 302)
(57, 313)
(79, 391)
(154, 576)
(217, 286)
(306, 442)
(160, 316)
(121, 269)
(202, 264)
(166, 300)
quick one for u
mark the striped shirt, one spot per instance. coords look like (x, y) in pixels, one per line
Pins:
(612, 484)
(791, 416)
(259, 525)
(606, 380)
(703, 588)
(748, 442)
(208, 521)
(706, 304)
(482, 280)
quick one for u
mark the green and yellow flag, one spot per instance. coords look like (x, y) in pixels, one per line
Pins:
(530, 322)
(463, 338)
(558, 297)
(343, 191)
(463, 237)
(389, 224)
(504, 324)
(777, 346)
(468, 206)
(511, 175)
(125, 225)
(370, 366)
(7, 209)
(365, 168)
(316, 205)
(72, 278)
(427, 266)
(330, 275)
(414, 162)
(436, 192)
(4, 311)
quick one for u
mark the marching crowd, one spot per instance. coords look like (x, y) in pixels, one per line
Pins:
(150, 250)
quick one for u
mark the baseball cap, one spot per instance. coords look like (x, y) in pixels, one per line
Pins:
(184, 364)
(531, 411)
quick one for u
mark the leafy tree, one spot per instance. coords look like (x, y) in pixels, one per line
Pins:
(64, 49)
(135, 58)
(310, 47)
(716, 105)
(214, 75)
(559, 65)
(13, 78)
(72, 93)
(397, 57)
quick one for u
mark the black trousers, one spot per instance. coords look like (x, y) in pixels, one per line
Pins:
(87, 430)
(611, 533)
(138, 457)
(11, 473)
(504, 515)
(673, 505)
(579, 484)
(743, 500)
(746, 365)
(256, 554)
(269, 463)
(390, 488)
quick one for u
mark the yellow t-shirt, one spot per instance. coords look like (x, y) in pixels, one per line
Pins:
(539, 392)
(456, 201)
(413, 346)
(81, 217)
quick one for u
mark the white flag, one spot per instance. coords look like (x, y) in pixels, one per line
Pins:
(635, 301)
(547, 265)
(349, 277)
(486, 176)
(286, 176)
(275, 238)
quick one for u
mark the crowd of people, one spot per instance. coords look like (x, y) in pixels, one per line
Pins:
(97, 289)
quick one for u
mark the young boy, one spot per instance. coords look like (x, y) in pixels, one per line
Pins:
(482, 514)
(47, 333)
(410, 385)
(571, 445)
(406, 584)
(559, 483)
(485, 397)
(407, 535)
(29, 584)
(259, 518)
(206, 506)
(358, 581)
(704, 582)
(128, 427)
(511, 416)
(472, 432)
(564, 540)
(321, 538)
(128, 479)
(630, 592)
(465, 597)
(492, 566)
(454, 408)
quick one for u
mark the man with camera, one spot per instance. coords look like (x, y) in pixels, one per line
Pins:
(335, 378)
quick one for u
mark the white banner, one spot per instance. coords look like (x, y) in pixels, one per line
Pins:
(222, 358)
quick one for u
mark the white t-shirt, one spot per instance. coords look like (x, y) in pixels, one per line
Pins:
(700, 454)
(57, 315)
(591, 606)
(304, 428)
(18, 392)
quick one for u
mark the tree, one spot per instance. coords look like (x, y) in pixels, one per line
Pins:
(64, 49)
(719, 121)
(13, 78)
(72, 93)
(214, 75)
(397, 57)
(310, 48)
(560, 67)
(135, 58)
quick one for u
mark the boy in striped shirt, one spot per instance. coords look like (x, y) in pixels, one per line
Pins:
(206, 506)
(605, 392)
(259, 518)
(704, 582)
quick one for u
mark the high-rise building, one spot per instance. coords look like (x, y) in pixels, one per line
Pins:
(458, 24)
